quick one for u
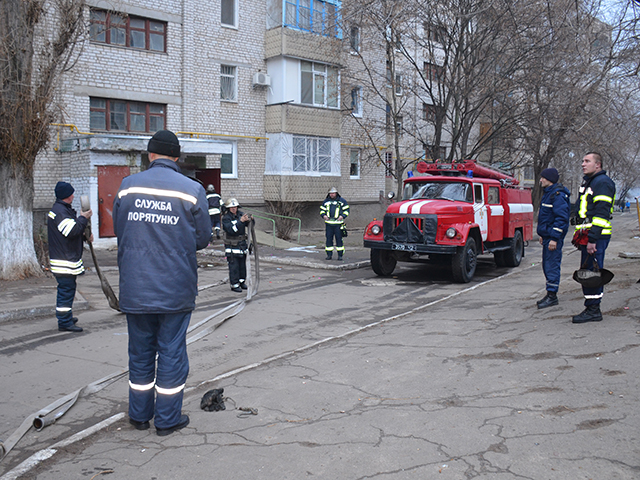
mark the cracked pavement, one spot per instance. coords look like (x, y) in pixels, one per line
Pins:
(479, 385)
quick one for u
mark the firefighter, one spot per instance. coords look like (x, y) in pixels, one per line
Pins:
(66, 235)
(234, 224)
(553, 224)
(214, 208)
(594, 210)
(160, 218)
(334, 210)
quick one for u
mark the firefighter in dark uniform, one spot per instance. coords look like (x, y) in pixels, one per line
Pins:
(214, 208)
(234, 224)
(553, 224)
(334, 210)
(66, 236)
(594, 209)
(160, 218)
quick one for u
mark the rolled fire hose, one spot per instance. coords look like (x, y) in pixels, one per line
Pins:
(41, 419)
(104, 283)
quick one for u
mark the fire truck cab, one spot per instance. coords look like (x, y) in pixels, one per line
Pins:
(453, 212)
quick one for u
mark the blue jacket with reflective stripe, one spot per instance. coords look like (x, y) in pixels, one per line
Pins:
(161, 219)
(553, 216)
(65, 234)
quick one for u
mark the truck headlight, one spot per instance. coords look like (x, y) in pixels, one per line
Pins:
(451, 232)
(376, 230)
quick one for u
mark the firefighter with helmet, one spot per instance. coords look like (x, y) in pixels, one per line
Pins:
(234, 224)
(334, 210)
(214, 208)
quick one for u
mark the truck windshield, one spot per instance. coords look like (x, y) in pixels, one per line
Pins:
(454, 191)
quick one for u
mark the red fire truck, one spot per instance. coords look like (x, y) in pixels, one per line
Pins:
(453, 212)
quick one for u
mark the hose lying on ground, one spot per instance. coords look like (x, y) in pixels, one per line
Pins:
(41, 419)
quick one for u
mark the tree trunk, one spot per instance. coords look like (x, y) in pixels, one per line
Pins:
(17, 253)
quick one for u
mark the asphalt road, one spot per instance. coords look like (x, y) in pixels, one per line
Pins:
(356, 376)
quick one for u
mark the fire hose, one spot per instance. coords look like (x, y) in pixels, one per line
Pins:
(104, 283)
(44, 417)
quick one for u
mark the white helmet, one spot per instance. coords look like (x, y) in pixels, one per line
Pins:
(211, 189)
(333, 190)
(232, 202)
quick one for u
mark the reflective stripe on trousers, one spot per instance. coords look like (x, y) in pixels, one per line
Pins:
(164, 334)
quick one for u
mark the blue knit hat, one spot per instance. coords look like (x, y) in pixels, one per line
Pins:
(63, 190)
(550, 174)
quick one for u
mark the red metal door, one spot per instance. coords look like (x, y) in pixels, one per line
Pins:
(209, 176)
(109, 180)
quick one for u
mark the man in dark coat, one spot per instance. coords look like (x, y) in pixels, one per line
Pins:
(594, 207)
(234, 224)
(333, 211)
(213, 198)
(160, 218)
(553, 223)
(66, 236)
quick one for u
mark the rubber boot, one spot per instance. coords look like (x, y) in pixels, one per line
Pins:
(590, 314)
(549, 301)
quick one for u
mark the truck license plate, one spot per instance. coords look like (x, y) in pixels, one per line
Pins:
(400, 246)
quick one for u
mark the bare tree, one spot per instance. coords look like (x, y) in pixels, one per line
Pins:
(32, 60)
(567, 88)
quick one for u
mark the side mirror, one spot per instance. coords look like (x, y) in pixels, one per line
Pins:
(391, 195)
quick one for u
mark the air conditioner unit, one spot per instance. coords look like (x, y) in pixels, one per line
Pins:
(261, 79)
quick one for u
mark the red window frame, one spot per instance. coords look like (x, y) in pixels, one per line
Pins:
(149, 113)
(113, 20)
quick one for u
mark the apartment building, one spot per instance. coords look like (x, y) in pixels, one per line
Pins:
(254, 91)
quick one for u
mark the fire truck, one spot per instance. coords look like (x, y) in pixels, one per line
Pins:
(453, 212)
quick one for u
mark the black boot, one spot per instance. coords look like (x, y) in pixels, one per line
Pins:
(590, 314)
(328, 256)
(549, 301)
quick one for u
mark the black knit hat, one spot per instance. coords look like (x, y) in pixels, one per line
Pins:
(550, 174)
(63, 190)
(164, 142)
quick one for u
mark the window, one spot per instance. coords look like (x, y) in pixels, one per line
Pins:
(433, 72)
(354, 159)
(434, 33)
(398, 85)
(319, 84)
(431, 152)
(228, 83)
(313, 16)
(356, 101)
(477, 189)
(388, 158)
(494, 195)
(126, 116)
(311, 154)
(229, 163)
(431, 112)
(354, 38)
(127, 31)
(229, 13)
(485, 131)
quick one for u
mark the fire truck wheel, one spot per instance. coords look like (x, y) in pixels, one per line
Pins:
(513, 256)
(464, 261)
(382, 262)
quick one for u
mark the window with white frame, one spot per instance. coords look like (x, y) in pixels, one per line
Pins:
(228, 83)
(229, 163)
(354, 158)
(311, 154)
(356, 101)
(354, 38)
(317, 16)
(319, 84)
(398, 85)
(229, 13)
